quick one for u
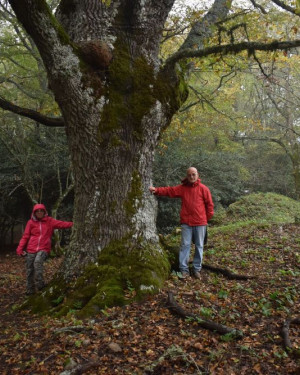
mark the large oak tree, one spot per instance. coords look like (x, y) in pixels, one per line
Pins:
(116, 96)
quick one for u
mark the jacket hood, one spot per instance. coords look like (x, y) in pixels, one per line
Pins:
(38, 206)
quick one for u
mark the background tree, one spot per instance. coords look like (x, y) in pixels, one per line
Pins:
(213, 113)
(37, 156)
(116, 96)
(274, 110)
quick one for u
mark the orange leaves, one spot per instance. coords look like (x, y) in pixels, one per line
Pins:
(198, 346)
(149, 335)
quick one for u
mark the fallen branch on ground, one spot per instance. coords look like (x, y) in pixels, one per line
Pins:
(72, 329)
(286, 335)
(80, 369)
(227, 273)
(207, 324)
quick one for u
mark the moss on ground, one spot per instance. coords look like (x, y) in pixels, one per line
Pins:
(267, 207)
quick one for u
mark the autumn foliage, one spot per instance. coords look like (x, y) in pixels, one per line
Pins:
(147, 338)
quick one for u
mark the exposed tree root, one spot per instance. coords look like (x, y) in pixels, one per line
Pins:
(227, 273)
(207, 324)
(286, 335)
(81, 369)
(72, 329)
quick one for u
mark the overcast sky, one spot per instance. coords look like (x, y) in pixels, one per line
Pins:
(202, 3)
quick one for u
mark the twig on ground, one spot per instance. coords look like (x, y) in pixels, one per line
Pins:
(207, 324)
(227, 273)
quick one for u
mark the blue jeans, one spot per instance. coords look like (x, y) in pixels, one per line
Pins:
(188, 234)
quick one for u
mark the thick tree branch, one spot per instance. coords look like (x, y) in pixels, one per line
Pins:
(284, 6)
(203, 29)
(262, 9)
(232, 48)
(33, 115)
(48, 35)
(38, 21)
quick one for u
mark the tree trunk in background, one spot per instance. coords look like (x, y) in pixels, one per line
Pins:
(295, 158)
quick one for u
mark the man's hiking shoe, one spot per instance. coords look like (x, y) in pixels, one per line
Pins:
(184, 275)
(197, 275)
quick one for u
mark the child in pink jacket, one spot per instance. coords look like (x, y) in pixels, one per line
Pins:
(36, 240)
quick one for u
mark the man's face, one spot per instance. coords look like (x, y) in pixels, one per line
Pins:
(39, 214)
(192, 175)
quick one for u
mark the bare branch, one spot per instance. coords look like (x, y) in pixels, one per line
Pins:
(262, 9)
(173, 32)
(284, 6)
(11, 59)
(202, 99)
(263, 139)
(232, 48)
(29, 113)
(20, 87)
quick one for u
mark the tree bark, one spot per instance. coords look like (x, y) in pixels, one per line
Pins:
(285, 333)
(103, 66)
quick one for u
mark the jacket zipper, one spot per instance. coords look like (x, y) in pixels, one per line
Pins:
(38, 245)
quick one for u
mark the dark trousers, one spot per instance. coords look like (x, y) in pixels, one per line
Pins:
(35, 270)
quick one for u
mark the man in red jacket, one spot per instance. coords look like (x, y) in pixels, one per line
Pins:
(37, 241)
(196, 209)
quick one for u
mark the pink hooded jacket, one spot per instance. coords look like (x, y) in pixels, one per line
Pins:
(38, 233)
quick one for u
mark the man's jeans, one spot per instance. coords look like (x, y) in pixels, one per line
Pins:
(188, 234)
(35, 270)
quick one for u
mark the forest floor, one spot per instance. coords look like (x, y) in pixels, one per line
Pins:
(146, 338)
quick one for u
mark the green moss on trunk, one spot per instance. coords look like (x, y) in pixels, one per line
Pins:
(132, 89)
(171, 88)
(123, 273)
(134, 196)
(129, 91)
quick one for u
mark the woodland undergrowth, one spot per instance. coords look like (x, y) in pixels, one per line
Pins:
(147, 338)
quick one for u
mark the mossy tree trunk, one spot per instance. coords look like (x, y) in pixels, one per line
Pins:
(103, 66)
(115, 100)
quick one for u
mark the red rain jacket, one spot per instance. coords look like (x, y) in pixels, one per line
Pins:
(196, 202)
(38, 233)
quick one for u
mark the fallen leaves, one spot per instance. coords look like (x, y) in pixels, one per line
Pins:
(144, 338)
